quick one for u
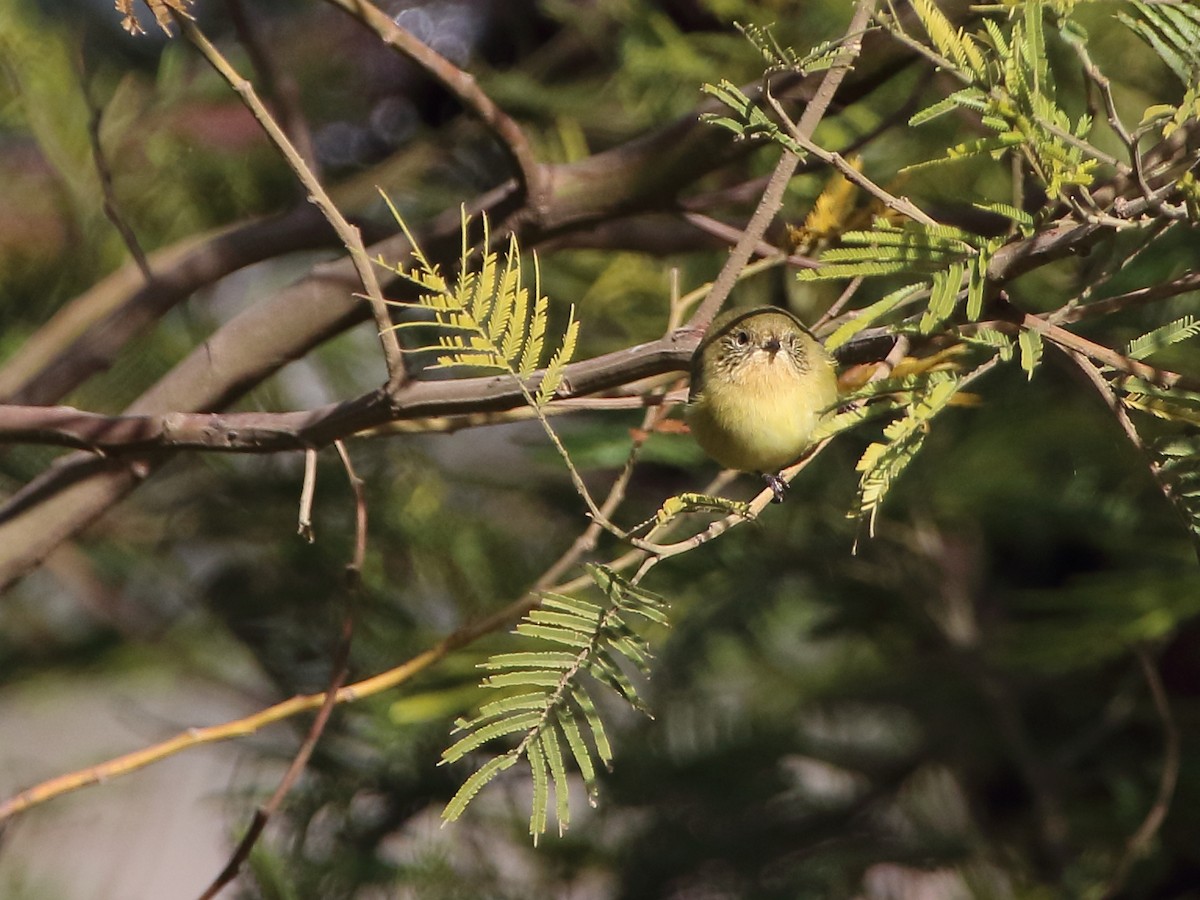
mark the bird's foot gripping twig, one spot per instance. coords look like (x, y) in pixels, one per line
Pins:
(778, 487)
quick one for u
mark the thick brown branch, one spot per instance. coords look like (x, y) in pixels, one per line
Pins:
(257, 432)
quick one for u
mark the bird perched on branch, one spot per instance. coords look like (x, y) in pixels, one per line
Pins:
(760, 382)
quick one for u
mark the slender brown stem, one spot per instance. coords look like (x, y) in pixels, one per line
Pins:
(349, 233)
(112, 209)
(263, 814)
(279, 87)
(1140, 840)
(307, 491)
(1113, 402)
(902, 205)
(772, 198)
(464, 87)
(1189, 281)
(354, 567)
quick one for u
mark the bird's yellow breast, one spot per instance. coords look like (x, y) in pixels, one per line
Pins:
(760, 416)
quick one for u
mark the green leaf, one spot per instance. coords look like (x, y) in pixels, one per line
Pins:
(634, 649)
(554, 371)
(487, 320)
(950, 42)
(548, 742)
(1172, 31)
(1035, 46)
(872, 314)
(568, 620)
(599, 737)
(579, 750)
(604, 669)
(971, 98)
(575, 606)
(534, 700)
(475, 783)
(522, 679)
(969, 149)
(1030, 342)
(1163, 336)
(548, 659)
(1019, 216)
(603, 642)
(521, 721)
(989, 337)
(976, 287)
(943, 298)
(883, 462)
(539, 808)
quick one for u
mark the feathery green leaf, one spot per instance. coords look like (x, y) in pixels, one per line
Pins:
(548, 740)
(1030, 343)
(539, 809)
(1163, 336)
(478, 779)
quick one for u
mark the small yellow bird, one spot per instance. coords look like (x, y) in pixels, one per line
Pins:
(760, 382)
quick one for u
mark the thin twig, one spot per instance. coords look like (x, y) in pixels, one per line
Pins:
(772, 198)
(349, 234)
(839, 304)
(1068, 340)
(263, 814)
(897, 31)
(1140, 840)
(340, 670)
(279, 87)
(764, 249)
(1100, 80)
(466, 90)
(305, 526)
(104, 172)
(354, 567)
(902, 205)
(1113, 402)
(1189, 281)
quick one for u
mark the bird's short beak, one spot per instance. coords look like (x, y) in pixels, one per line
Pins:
(772, 345)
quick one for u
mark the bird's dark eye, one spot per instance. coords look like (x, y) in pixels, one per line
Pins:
(743, 338)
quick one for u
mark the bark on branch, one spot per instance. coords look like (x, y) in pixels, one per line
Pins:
(264, 432)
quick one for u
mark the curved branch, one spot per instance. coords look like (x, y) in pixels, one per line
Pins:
(465, 89)
(84, 337)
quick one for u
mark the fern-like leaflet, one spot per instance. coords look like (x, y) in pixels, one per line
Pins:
(1163, 336)
(488, 318)
(548, 693)
(882, 462)
(1011, 89)
(1179, 468)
